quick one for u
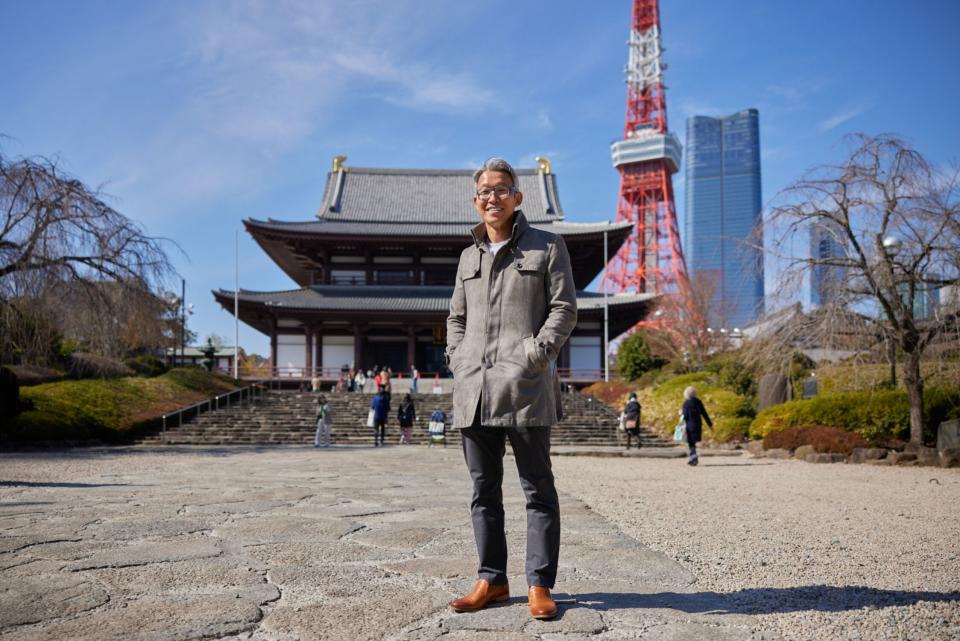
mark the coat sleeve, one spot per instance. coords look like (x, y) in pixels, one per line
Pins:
(706, 417)
(561, 300)
(457, 318)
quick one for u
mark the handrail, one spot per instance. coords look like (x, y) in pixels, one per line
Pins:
(252, 393)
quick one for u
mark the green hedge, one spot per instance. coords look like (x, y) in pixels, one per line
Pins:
(106, 409)
(731, 413)
(876, 416)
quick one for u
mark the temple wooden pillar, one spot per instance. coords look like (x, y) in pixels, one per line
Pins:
(308, 349)
(358, 331)
(273, 347)
(411, 346)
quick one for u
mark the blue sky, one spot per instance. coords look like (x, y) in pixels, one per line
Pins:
(193, 115)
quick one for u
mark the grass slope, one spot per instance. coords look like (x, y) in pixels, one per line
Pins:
(107, 409)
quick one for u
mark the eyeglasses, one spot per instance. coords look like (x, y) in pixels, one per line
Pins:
(501, 192)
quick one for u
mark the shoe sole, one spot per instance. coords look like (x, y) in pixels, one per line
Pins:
(501, 599)
(544, 617)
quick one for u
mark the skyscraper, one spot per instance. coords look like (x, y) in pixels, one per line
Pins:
(826, 281)
(723, 214)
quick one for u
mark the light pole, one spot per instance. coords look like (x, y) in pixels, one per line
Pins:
(891, 247)
(184, 310)
(236, 309)
(606, 312)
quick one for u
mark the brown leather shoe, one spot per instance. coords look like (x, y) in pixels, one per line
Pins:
(542, 605)
(480, 596)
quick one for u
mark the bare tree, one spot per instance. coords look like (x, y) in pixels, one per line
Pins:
(55, 231)
(679, 329)
(893, 225)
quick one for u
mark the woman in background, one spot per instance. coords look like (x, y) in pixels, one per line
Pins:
(406, 415)
(694, 413)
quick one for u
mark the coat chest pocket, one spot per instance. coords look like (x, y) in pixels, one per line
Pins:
(528, 272)
(530, 265)
(470, 276)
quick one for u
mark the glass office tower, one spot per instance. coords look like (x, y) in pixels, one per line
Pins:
(826, 281)
(723, 214)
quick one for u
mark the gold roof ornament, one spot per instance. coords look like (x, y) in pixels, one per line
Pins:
(544, 165)
(338, 163)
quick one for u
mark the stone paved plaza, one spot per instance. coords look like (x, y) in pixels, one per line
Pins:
(283, 543)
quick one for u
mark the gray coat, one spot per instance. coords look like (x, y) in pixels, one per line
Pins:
(509, 317)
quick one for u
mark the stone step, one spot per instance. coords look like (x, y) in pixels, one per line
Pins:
(289, 417)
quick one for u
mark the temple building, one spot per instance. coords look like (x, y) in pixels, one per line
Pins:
(375, 270)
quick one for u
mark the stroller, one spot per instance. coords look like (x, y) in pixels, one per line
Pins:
(438, 428)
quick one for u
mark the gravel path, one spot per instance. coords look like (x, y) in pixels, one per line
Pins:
(813, 551)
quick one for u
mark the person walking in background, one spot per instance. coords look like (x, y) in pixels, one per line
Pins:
(360, 381)
(694, 413)
(324, 422)
(631, 419)
(381, 410)
(406, 415)
(414, 377)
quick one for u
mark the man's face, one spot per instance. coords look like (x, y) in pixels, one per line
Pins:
(497, 210)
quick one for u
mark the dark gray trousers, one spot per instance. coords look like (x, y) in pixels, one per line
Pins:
(483, 449)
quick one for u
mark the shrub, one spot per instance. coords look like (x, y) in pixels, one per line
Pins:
(634, 357)
(733, 373)
(146, 365)
(823, 438)
(85, 365)
(610, 394)
(876, 416)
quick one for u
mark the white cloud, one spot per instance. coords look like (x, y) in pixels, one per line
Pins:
(841, 117)
(415, 85)
(260, 77)
(543, 120)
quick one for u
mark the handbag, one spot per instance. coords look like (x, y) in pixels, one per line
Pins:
(622, 424)
(631, 423)
(370, 419)
(680, 431)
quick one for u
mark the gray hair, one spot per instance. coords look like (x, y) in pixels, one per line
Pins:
(497, 164)
(690, 392)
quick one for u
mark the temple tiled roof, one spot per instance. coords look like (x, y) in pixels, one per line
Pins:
(426, 196)
(393, 229)
(390, 298)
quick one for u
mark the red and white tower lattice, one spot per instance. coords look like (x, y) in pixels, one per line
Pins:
(651, 261)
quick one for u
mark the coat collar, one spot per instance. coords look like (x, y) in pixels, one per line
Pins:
(520, 225)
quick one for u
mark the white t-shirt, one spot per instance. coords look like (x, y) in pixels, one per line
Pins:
(495, 247)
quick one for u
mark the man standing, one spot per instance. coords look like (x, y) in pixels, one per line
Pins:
(514, 305)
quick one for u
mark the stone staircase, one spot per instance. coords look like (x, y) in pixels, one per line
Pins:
(287, 417)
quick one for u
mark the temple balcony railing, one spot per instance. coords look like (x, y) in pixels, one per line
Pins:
(328, 374)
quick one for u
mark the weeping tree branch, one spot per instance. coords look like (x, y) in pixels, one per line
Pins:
(57, 233)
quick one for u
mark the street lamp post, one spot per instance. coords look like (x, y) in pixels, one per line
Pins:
(183, 321)
(184, 311)
(891, 247)
(606, 312)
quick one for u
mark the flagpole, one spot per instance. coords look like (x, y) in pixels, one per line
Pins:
(606, 317)
(236, 309)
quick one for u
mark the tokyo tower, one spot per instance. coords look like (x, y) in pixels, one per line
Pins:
(651, 261)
